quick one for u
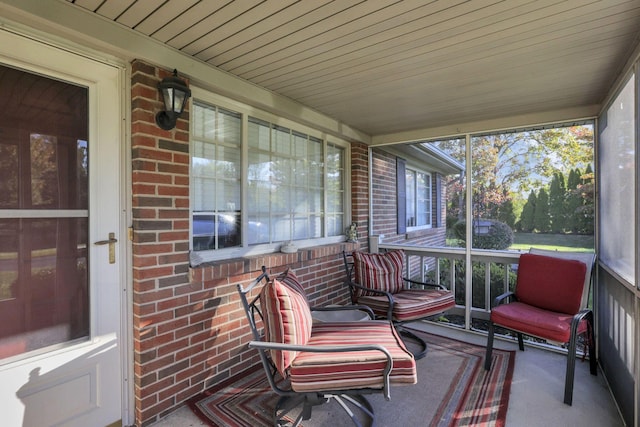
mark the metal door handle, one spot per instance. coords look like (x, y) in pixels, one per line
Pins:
(112, 246)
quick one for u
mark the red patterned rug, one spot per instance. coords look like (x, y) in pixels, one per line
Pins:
(453, 389)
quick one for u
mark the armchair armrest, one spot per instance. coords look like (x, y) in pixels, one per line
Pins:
(263, 345)
(424, 284)
(501, 299)
(353, 285)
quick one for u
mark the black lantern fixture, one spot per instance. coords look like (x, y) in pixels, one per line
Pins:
(175, 94)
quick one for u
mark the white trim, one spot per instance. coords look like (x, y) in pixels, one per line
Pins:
(62, 19)
(204, 96)
(75, 56)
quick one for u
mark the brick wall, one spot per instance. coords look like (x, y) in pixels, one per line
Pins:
(360, 190)
(385, 219)
(188, 326)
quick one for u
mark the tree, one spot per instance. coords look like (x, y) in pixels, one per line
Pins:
(573, 201)
(528, 211)
(506, 213)
(503, 167)
(557, 210)
(541, 219)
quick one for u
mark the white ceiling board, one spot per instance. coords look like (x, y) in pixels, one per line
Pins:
(390, 66)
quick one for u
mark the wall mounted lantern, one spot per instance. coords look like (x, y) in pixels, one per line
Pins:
(175, 94)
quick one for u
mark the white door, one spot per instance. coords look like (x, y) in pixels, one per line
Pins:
(61, 242)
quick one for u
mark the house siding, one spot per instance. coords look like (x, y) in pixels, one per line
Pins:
(385, 208)
(189, 328)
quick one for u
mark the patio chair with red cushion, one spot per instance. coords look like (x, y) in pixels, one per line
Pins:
(310, 364)
(550, 302)
(376, 280)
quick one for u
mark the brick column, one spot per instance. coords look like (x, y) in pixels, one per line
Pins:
(360, 190)
(160, 201)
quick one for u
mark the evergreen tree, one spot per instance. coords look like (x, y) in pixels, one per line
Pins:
(573, 201)
(506, 213)
(541, 220)
(586, 211)
(528, 210)
(557, 195)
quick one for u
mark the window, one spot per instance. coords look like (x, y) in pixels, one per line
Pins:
(617, 183)
(293, 187)
(418, 198)
(215, 169)
(285, 183)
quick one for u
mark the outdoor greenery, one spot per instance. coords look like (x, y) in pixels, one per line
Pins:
(532, 188)
(535, 181)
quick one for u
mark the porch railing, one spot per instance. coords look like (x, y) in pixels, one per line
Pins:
(446, 265)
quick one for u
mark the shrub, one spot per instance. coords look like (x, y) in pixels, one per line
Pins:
(495, 235)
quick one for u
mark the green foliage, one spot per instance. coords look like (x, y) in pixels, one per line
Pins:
(541, 219)
(497, 274)
(557, 208)
(506, 213)
(498, 237)
(528, 211)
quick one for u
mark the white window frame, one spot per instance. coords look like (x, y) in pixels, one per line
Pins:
(411, 169)
(198, 257)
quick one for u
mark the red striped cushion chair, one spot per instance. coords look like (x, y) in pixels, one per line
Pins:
(547, 303)
(287, 320)
(322, 361)
(378, 282)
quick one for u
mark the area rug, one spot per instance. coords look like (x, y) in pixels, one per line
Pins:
(453, 389)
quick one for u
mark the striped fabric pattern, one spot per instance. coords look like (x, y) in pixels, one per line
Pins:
(352, 370)
(287, 321)
(411, 304)
(289, 278)
(382, 272)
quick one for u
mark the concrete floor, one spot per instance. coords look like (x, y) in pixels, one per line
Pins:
(537, 390)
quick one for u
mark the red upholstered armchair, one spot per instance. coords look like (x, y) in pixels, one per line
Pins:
(549, 302)
(376, 280)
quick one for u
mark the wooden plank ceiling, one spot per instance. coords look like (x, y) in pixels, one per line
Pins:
(386, 66)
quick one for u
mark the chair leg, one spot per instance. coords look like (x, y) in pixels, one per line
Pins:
(292, 410)
(487, 357)
(571, 368)
(410, 335)
(520, 341)
(593, 363)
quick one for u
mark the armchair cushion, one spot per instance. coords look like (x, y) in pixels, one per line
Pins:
(550, 283)
(289, 278)
(287, 320)
(535, 321)
(379, 271)
(313, 371)
(411, 304)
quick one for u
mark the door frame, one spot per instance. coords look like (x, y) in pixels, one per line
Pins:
(124, 244)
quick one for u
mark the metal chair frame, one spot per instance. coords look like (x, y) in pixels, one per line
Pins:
(585, 314)
(353, 286)
(291, 399)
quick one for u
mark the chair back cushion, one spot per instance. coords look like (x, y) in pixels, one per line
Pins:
(287, 320)
(382, 272)
(289, 278)
(589, 259)
(550, 283)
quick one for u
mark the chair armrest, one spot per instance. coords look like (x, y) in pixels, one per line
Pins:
(424, 284)
(353, 284)
(364, 308)
(334, 349)
(501, 299)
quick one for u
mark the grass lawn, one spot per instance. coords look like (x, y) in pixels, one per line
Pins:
(566, 242)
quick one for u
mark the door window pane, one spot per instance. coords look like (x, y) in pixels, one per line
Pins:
(44, 289)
